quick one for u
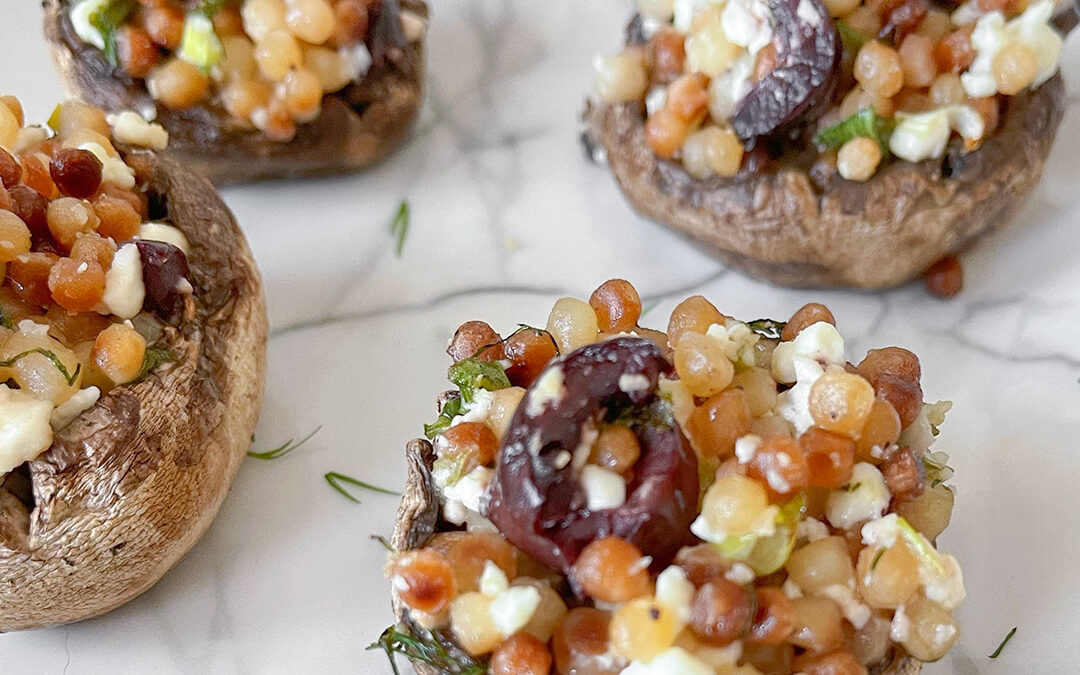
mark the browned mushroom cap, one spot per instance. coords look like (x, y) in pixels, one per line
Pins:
(876, 234)
(132, 484)
(418, 519)
(357, 127)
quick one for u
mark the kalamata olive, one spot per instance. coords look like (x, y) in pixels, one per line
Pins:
(808, 52)
(386, 36)
(165, 270)
(536, 499)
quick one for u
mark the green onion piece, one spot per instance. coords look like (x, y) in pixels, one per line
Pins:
(47, 353)
(863, 123)
(199, 45)
(336, 479)
(923, 549)
(997, 652)
(399, 227)
(54, 119)
(472, 374)
(737, 547)
(108, 20)
(285, 448)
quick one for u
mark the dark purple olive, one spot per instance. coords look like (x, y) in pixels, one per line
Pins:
(386, 38)
(536, 499)
(808, 52)
(165, 271)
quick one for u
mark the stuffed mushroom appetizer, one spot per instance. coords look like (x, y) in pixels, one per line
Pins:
(132, 348)
(723, 498)
(251, 89)
(831, 142)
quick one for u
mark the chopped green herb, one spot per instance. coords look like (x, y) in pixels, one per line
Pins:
(5, 321)
(767, 328)
(285, 448)
(877, 559)
(384, 541)
(336, 479)
(68, 377)
(450, 410)
(853, 487)
(399, 227)
(863, 123)
(649, 307)
(852, 38)
(209, 8)
(108, 20)
(997, 652)
(152, 359)
(426, 648)
(472, 374)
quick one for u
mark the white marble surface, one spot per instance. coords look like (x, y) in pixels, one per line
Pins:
(506, 216)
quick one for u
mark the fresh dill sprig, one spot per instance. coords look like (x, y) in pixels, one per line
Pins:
(336, 481)
(285, 448)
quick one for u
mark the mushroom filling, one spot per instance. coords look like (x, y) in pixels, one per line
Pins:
(266, 63)
(723, 497)
(839, 85)
(88, 282)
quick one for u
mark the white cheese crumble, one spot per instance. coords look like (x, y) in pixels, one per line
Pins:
(808, 13)
(900, 628)
(729, 88)
(737, 341)
(656, 99)
(30, 137)
(512, 607)
(465, 495)
(113, 169)
(630, 383)
(358, 59)
(746, 447)
(80, 20)
(124, 289)
(80, 402)
(882, 531)
(748, 23)
(604, 489)
(865, 498)
(811, 529)
(129, 127)
(25, 431)
(791, 589)
(478, 410)
(547, 391)
(992, 34)
(922, 136)
(740, 573)
(675, 592)
(854, 611)
(668, 662)
(163, 232)
(948, 590)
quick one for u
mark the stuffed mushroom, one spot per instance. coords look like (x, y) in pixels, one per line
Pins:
(132, 349)
(725, 497)
(831, 142)
(251, 89)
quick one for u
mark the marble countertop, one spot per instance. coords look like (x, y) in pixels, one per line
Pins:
(506, 216)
